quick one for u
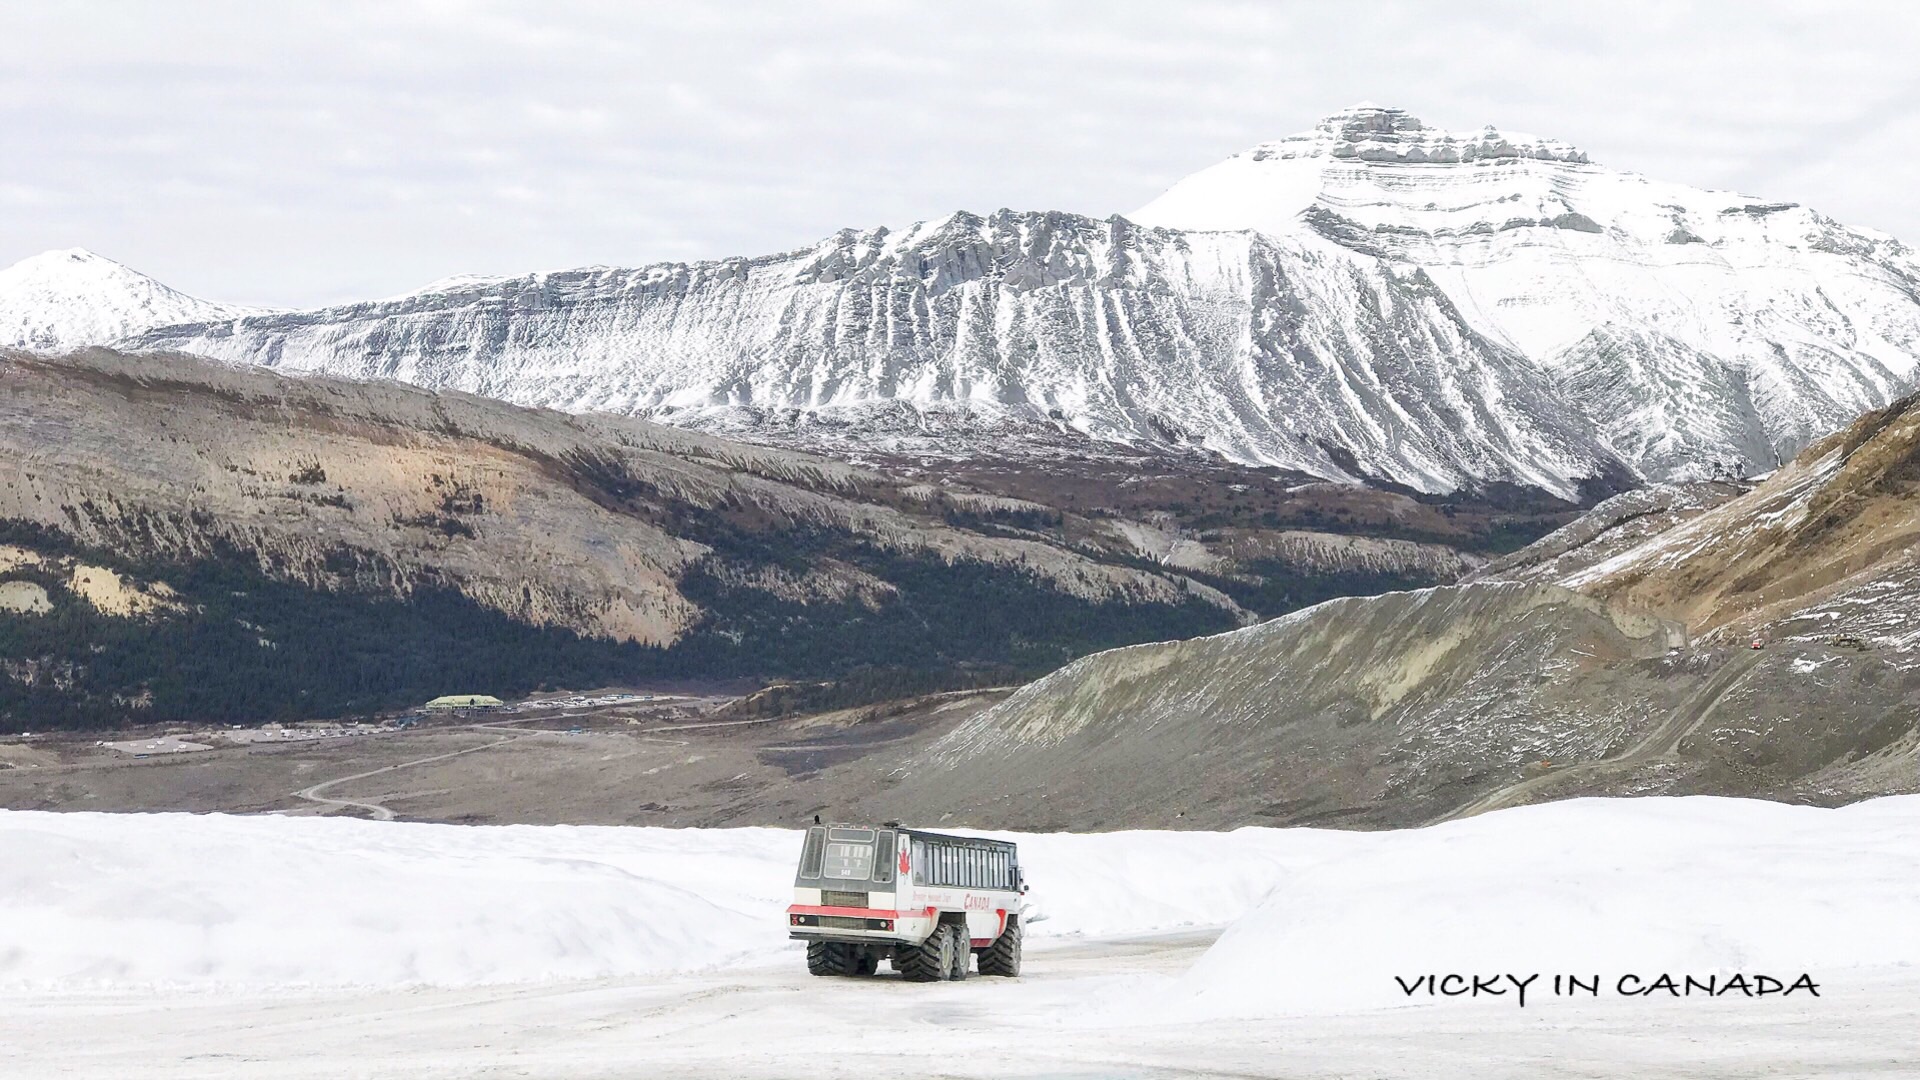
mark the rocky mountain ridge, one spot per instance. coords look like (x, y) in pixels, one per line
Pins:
(1822, 549)
(1730, 638)
(328, 545)
(974, 333)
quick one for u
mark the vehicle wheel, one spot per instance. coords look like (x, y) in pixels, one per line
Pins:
(866, 964)
(829, 958)
(1003, 956)
(962, 954)
(929, 961)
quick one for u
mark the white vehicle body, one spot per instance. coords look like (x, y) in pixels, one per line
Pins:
(870, 893)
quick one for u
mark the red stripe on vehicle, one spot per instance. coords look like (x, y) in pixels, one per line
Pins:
(857, 912)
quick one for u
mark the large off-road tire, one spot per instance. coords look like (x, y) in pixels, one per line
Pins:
(829, 958)
(1003, 956)
(962, 952)
(929, 961)
(866, 964)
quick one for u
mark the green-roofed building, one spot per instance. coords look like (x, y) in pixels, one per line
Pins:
(453, 702)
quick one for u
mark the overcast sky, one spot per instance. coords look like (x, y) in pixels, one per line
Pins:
(299, 154)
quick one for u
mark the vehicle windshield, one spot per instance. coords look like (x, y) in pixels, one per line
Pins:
(848, 861)
(846, 853)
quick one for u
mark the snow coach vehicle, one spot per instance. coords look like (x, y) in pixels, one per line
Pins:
(927, 903)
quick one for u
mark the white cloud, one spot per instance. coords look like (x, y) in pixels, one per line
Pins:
(297, 154)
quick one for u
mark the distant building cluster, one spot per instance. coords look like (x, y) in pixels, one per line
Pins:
(463, 703)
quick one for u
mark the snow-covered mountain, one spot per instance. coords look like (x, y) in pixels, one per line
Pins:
(1372, 298)
(62, 300)
(1703, 332)
(1279, 349)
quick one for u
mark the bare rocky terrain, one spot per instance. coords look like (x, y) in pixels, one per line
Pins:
(584, 522)
(1749, 639)
(182, 541)
(686, 761)
(1614, 656)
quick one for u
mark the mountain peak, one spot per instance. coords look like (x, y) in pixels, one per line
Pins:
(1375, 133)
(1386, 151)
(68, 297)
(61, 261)
(1368, 117)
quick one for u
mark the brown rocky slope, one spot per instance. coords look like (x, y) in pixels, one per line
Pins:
(331, 545)
(1522, 684)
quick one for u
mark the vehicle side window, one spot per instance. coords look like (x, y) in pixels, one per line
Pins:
(883, 858)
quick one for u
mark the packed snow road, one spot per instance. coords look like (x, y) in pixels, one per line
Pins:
(779, 1022)
(172, 946)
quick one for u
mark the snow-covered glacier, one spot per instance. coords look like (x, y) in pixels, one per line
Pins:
(1370, 299)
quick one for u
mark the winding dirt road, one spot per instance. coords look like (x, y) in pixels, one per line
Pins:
(510, 732)
(378, 811)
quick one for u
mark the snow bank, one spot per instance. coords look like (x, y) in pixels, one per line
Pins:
(1319, 919)
(1114, 884)
(1605, 887)
(182, 899)
(179, 899)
